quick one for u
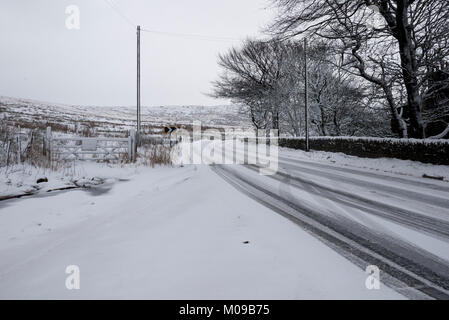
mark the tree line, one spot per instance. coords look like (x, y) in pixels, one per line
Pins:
(375, 68)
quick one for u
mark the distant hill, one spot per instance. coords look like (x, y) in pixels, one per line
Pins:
(30, 113)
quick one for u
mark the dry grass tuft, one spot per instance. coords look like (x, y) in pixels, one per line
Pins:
(156, 154)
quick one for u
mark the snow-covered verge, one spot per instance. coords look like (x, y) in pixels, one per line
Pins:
(173, 233)
(27, 179)
(19, 180)
(387, 165)
(374, 139)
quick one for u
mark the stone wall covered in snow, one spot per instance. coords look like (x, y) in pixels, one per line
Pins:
(427, 151)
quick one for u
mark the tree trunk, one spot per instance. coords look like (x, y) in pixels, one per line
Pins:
(396, 118)
(409, 69)
(336, 125)
(275, 119)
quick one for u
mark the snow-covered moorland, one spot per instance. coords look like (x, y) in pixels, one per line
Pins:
(114, 119)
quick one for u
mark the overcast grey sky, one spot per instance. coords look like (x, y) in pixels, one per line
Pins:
(96, 65)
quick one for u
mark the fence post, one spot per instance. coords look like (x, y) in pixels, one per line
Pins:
(19, 147)
(48, 144)
(132, 145)
(7, 152)
(44, 147)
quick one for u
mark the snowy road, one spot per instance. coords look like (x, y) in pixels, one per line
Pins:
(167, 233)
(398, 223)
(214, 232)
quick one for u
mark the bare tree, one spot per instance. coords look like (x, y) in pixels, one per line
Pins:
(250, 77)
(268, 79)
(395, 53)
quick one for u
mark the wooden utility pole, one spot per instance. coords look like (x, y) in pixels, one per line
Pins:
(138, 87)
(306, 98)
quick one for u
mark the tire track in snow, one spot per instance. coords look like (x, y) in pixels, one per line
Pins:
(425, 198)
(416, 268)
(415, 220)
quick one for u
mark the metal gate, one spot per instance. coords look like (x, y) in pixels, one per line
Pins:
(97, 148)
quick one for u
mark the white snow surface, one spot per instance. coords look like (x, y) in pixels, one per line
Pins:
(385, 165)
(166, 233)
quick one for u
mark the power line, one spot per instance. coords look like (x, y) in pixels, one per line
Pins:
(192, 36)
(114, 7)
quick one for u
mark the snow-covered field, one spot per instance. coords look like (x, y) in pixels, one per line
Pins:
(117, 118)
(177, 233)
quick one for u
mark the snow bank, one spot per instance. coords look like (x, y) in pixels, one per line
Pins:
(388, 165)
(22, 179)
